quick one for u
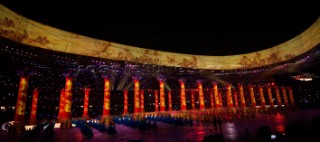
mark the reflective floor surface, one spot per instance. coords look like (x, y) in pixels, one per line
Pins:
(232, 131)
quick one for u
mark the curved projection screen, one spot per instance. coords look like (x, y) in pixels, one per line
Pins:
(26, 31)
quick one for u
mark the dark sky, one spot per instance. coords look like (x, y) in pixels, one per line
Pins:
(179, 29)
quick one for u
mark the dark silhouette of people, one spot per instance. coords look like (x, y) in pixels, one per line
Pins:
(215, 124)
(219, 124)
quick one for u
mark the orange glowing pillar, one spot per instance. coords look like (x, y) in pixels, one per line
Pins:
(278, 95)
(235, 98)
(141, 100)
(61, 105)
(263, 102)
(125, 101)
(211, 100)
(106, 99)
(162, 95)
(270, 96)
(220, 99)
(253, 99)
(183, 102)
(216, 95)
(192, 100)
(21, 100)
(86, 103)
(285, 97)
(201, 97)
(169, 101)
(33, 115)
(291, 96)
(242, 99)
(68, 99)
(156, 103)
(136, 94)
(229, 96)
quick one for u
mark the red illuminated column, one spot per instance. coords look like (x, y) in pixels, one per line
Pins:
(33, 116)
(285, 97)
(291, 96)
(68, 99)
(169, 101)
(183, 95)
(235, 98)
(86, 103)
(21, 100)
(141, 100)
(220, 99)
(192, 100)
(242, 99)
(162, 94)
(125, 101)
(253, 99)
(156, 103)
(270, 96)
(229, 96)
(106, 100)
(263, 102)
(136, 94)
(211, 100)
(201, 97)
(278, 95)
(216, 95)
(61, 105)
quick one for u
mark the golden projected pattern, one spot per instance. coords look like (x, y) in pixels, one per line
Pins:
(278, 95)
(21, 100)
(270, 96)
(183, 95)
(253, 99)
(262, 100)
(106, 98)
(216, 95)
(201, 97)
(169, 101)
(26, 31)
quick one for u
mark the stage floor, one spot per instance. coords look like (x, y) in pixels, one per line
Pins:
(232, 131)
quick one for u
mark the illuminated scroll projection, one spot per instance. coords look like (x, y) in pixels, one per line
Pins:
(218, 103)
(183, 102)
(33, 115)
(125, 101)
(136, 90)
(162, 94)
(285, 97)
(201, 97)
(235, 98)
(242, 99)
(141, 100)
(26, 31)
(270, 96)
(169, 101)
(68, 99)
(61, 105)
(211, 100)
(262, 100)
(21, 100)
(106, 98)
(156, 102)
(252, 97)
(291, 96)
(86, 103)
(229, 96)
(278, 95)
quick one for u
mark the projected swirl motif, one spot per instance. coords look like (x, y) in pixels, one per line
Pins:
(26, 31)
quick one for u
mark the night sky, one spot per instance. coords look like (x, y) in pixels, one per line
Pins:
(203, 31)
